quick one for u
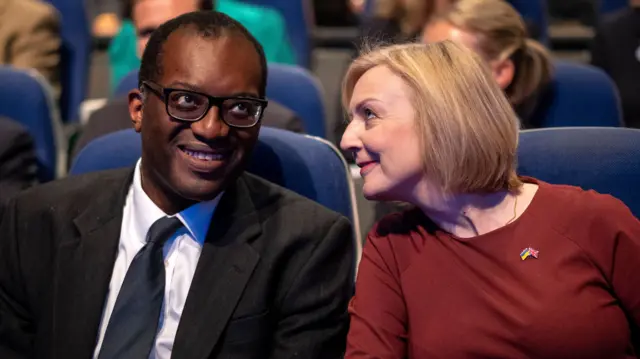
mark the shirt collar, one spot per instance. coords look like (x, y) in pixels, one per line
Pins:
(196, 218)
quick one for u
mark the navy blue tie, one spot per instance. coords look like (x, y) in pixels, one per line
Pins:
(134, 321)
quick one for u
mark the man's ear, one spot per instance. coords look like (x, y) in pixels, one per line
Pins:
(136, 101)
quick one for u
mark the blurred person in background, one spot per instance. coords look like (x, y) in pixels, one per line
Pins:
(30, 38)
(334, 13)
(106, 17)
(266, 24)
(616, 50)
(486, 263)
(521, 66)
(148, 15)
(18, 163)
(396, 21)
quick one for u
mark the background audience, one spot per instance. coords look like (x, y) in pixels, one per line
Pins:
(616, 50)
(30, 38)
(521, 66)
(400, 20)
(142, 16)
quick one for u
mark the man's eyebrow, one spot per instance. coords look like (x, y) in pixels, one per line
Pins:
(191, 87)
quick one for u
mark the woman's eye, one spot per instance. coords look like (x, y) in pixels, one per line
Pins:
(368, 114)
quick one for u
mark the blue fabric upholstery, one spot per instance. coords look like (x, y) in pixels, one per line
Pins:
(297, 16)
(580, 95)
(128, 83)
(309, 166)
(299, 90)
(606, 160)
(75, 57)
(25, 98)
(536, 13)
(292, 86)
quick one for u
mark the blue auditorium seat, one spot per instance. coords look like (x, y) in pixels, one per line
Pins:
(291, 86)
(536, 13)
(297, 16)
(580, 95)
(299, 90)
(25, 96)
(128, 83)
(75, 57)
(606, 160)
(307, 165)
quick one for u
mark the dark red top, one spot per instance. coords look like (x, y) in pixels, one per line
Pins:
(422, 293)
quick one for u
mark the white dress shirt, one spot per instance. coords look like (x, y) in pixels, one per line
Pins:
(181, 254)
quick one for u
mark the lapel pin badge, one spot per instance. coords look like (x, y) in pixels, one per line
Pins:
(529, 252)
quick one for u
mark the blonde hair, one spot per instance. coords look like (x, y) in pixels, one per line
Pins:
(411, 15)
(468, 131)
(501, 33)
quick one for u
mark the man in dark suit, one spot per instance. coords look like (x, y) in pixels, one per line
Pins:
(114, 116)
(184, 256)
(616, 50)
(18, 164)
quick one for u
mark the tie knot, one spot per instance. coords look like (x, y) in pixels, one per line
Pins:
(162, 229)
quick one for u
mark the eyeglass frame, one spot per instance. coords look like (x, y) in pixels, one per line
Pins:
(217, 101)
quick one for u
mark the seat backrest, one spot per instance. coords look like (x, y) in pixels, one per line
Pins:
(580, 95)
(292, 86)
(606, 160)
(75, 56)
(536, 13)
(307, 165)
(298, 18)
(299, 90)
(26, 97)
(128, 83)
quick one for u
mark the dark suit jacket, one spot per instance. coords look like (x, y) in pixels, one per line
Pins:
(18, 164)
(273, 280)
(114, 116)
(616, 50)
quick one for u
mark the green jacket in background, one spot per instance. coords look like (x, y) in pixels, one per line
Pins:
(266, 24)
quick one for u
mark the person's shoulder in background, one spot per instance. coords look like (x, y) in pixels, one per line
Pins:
(18, 163)
(279, 116)
(30, 38)
(122, 53)
(266, 24)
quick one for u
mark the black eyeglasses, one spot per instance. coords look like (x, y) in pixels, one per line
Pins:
(191, 106)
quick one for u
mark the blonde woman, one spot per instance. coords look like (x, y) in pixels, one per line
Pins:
(494, 29)
(487, 264)
(400, 20)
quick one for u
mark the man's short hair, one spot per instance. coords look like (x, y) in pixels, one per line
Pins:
(127, 7)
(206, 24)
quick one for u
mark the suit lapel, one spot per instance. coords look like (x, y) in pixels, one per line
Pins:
(84, 266)
(224, 268)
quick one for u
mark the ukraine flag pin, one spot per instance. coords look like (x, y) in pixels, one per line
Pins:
(529, 252)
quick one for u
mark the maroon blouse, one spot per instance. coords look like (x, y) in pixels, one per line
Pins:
(423, 293)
